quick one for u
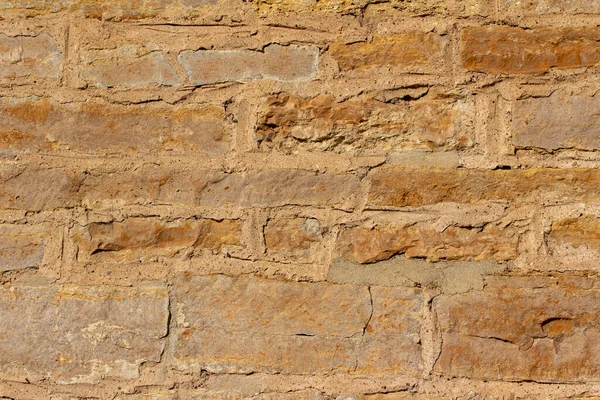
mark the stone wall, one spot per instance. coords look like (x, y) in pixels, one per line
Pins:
(299, 199)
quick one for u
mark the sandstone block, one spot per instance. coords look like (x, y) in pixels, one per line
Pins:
(44, 125)
(73, 334)
(368, 245)
(293, 238)
(400, 50)
(29, 56)
(507, 50)
(518, 328)
(413, 186)
(540, 7)
(289, 327)
(129, 65)
(289, 123)
(575, 232)
(276, 62)
(139, 238)
(274, 188)
(21, 247)
(557, 122)
(35, 189)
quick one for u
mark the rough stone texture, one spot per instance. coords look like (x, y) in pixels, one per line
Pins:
(136, 238)
(504, 50)
(72, 334)
(38, 125)
(448, 277)
(368, 245)
(282, 63)
(29, 56)
(35, 189)
(409, 186)
(109, 9)
(288, 123)
(281, 187)
(536, 7)
(401, 50)
(293, 238)
(530, 328)
(129, 66)
(21, 247)
(575, 232)
(299, 199)
(557, 122)
(298, 328)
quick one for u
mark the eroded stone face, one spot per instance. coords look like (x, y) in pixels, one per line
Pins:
(507, 50)
(407, 49)
(557, 122)
(281, 187)
(29, 56)
(368, 245)
(418, 186)
(575, 232)
(293, 238)
(535, 328)
(128, 66)
(72, 334)
(289, 327)
(288, 123)
(22, 247)
(280, 63)
(137, 238)
(38, 125)
(536, 7)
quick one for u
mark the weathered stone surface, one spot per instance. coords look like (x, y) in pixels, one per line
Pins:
(146, 185)
(274, 188)
(455, 243)
(414, 7)
(71, 334)
(275, 62)
(293, 238)
(447, 277)
(300, 328)
(289, 123)
(29, 56)
(108, 9)
(140, 238)
(270, 188)
(506, 50)
(36, 189)
(21, 247)
(557, 122)
(407, 186)
(43, 125)
(575, 232)
(540, 329)
(401, 50)
(391, 338)
(128, 66)
(551, 6)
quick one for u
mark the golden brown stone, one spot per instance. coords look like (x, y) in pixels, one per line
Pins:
(401, 50)
(540, 329)
(43, 125)
(368, 245)
(292, 237)
(289, 327)
(418, 186)
(289, 123)
(507, 50)
(141, 237)
(576, 232)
